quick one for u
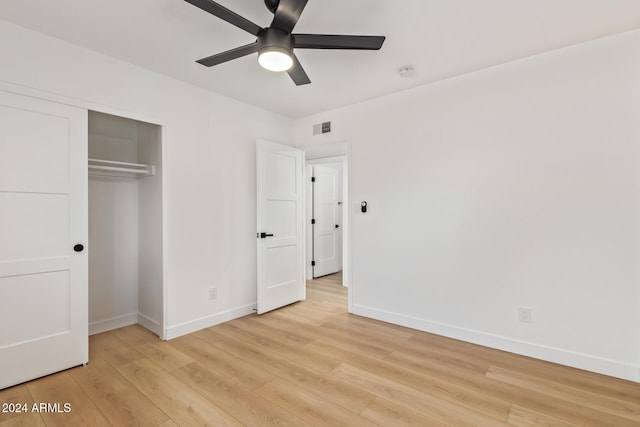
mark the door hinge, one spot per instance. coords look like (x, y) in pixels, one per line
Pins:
(313, 263)
(313, 179)
(313, 221)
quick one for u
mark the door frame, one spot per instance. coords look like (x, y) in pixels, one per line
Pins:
(107, 109)
(342, 160)
(331, 150)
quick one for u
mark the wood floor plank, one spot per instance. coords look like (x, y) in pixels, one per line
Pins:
(387, 413)
(523, 417)
(298, 317)
(105, 340)
(262, 337)
(248, 407)
(543, 403)
(16, 395)
(324, 296)
(185, 406)
(59, 389)
(615, 387)
(227, 364)
(316, 410)
(368, 326)
(108, 346)
(311, 315)
(464, 359)
(624, 409)
(164, 355)
(350, 397)
(291, 333)
(24, 420)
(448, 389)
(378, 342)
(120, 402)
(432, 407)
(433, 361)
(274, 320)
(353, 343)
(135, 335)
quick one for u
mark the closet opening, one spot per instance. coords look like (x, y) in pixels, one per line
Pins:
(125, 224)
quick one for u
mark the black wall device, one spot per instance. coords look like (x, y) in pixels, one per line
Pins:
(363, 207)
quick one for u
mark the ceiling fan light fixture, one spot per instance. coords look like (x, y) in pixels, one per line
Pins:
(274, 58)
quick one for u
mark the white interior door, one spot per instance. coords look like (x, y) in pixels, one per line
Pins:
(326, 229)
(280, 225)
(43, 215)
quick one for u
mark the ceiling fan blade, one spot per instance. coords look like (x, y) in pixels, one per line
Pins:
(331, 41)
(297, 73)
(287, 14)
(226, 15)
(238, 52)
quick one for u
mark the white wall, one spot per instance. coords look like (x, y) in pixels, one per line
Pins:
(515, 186)
(113, 256)
(209, 161)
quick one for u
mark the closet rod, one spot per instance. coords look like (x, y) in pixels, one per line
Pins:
(117, 169)
(111, 162)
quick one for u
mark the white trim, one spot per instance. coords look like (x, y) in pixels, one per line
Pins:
(344, 161)
(347, 272)
(75, 102)
(152, 325)
(574, 359)
(208, 321)
(165, 232)
(112, 323)
(324, 160)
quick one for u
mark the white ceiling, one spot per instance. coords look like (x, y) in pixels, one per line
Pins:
(441, 38)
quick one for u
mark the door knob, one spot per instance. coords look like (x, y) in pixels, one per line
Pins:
(337, 226)
(78, 248)
(264, 235)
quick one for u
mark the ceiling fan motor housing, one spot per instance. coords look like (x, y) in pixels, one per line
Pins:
(275, 39)
(272, 5)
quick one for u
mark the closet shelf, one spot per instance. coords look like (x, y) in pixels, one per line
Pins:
(98, 167)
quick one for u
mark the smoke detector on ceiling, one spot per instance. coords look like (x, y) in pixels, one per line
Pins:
(407, 71)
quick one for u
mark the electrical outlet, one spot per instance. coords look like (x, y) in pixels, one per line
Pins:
(213, 293)
(524, 314)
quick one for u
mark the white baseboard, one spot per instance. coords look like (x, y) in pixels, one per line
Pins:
(113, 323)
(208, 321)
(150, 324)
(126, 320)
(551, 354)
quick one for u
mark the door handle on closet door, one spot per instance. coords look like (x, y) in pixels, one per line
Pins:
(265, 235)
(78, 247)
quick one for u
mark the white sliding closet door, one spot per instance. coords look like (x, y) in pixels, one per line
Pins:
(43, 216)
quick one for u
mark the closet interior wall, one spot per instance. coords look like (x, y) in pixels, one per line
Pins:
(125, 225)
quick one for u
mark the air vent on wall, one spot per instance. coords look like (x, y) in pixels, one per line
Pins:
(322, 128)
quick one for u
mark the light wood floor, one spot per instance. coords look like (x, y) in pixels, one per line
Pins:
(312, 364)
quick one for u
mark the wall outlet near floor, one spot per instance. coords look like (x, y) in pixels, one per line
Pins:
(524, 314)
(213, 293)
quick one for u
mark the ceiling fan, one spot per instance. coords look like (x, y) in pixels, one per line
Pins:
(275, 43)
